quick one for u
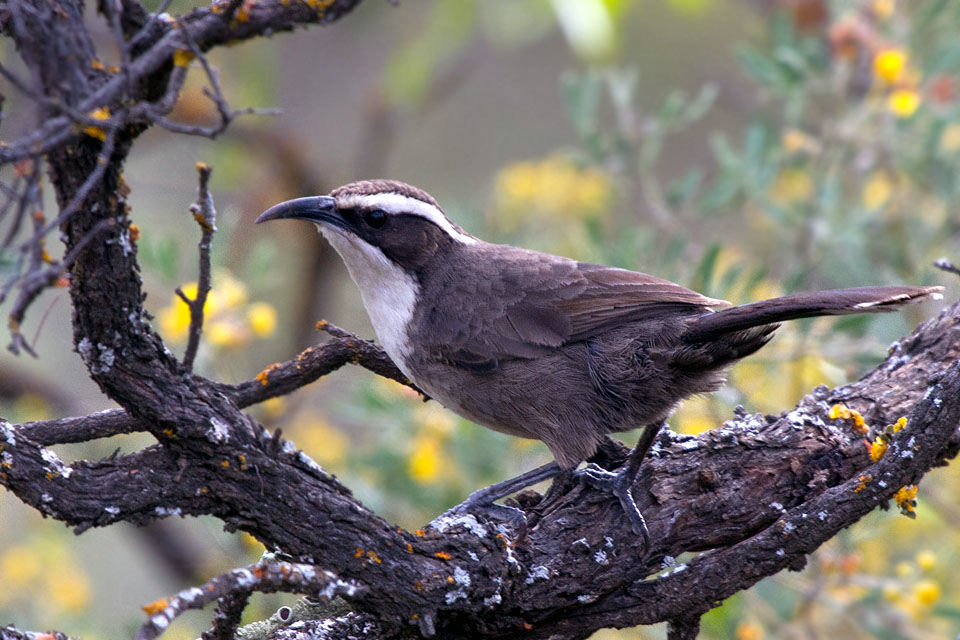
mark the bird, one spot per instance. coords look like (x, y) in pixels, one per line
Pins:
(542, 346)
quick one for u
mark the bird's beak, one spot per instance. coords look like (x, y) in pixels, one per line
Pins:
(318, 209)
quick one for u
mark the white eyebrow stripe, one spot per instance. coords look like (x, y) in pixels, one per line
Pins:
(395, 203)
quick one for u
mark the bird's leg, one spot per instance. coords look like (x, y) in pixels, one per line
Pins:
(620, 482)
(483, 499)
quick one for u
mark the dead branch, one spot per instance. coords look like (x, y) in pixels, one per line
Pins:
(757, 495)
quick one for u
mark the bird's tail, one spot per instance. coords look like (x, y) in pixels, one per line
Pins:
(835, 302)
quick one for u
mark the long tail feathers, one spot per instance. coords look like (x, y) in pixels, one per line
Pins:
(834, 302)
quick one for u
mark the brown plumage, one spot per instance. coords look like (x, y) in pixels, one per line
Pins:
(537, 345)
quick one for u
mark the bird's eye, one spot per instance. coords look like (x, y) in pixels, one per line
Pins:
(375, 218)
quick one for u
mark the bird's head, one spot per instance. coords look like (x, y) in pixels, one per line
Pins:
(376, 220)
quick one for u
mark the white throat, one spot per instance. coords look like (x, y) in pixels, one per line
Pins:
(388, 292)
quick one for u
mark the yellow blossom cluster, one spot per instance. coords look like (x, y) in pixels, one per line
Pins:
(552, 187)
(428, 463)
(230, 321)
(914, 590)
(891, 67)
(42, 572)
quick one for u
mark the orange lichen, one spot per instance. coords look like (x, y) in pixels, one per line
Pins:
(420, 533)
(864, 479)
(906, 498)
(263, 376)
(443, 555)
(841, 411)
(134, 233)
(358, 553)
(155, 607)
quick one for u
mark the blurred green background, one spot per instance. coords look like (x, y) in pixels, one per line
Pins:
(743, 148)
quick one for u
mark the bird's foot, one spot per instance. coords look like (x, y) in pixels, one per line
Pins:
(619, 483)
(489, 510)
(483, 500)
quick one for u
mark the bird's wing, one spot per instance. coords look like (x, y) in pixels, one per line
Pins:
(524, 304)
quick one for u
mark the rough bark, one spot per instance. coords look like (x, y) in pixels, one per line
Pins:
(757, 494)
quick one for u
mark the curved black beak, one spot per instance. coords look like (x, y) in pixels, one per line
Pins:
(319, 209)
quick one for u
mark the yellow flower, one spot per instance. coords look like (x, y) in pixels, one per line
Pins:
(228, 290)
(69, 590)
(262, 318)
(950, 138)
(321, 441)
(224, 333)
(927, 592)
(434, 419)
(884, 8)
(19, 566)
(877, 449)
(749, 631)
(926, 559)
(792, 185)
(551, 187)
(274, 407)
(794, 141)
(425, 463)
(903, 103)
(889, 65)
(877, 190)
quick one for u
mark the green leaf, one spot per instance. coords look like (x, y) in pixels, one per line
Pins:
(581, 93)
(703, 276)
(761, 67)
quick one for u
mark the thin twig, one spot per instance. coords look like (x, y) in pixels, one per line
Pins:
(266, 576)
(947, 266)
(206, 216)
(227, 618)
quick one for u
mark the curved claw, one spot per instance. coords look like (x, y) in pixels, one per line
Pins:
(619, 483)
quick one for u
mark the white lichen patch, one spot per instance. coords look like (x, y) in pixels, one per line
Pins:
(190, 595)
(453, 596)
(167, 511)
(468, 521)
(112, 510)
(600, 557)
(539, 572)
(667, 562)
(461, 577)
(245, 577)
(495, 599)
(780, 553)
(310, 463)
(9, 436)
(586, 598)
(160, 621)
(107, 357)
(822, 516)
(54, 464)
(219, 431)
(85, 349)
